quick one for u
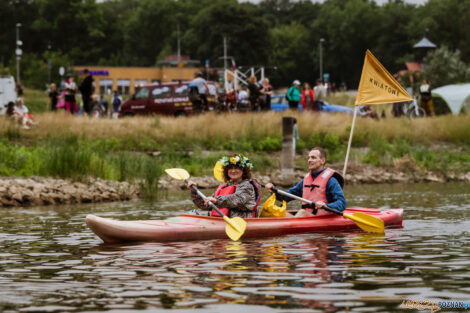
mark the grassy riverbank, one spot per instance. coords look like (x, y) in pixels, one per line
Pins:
(140, 148)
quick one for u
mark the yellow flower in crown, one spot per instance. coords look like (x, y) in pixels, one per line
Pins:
(239, 160)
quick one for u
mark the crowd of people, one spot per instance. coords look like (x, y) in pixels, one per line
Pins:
(255, 96)
(65, 97)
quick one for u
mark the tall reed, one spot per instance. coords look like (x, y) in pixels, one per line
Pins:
(212, 129)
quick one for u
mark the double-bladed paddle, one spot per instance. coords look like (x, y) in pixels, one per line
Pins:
(364, 221)
(235, 227)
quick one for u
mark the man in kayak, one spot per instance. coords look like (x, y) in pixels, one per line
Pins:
(239, 195)
(321, 185)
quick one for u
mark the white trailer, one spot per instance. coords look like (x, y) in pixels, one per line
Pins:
(7, 92)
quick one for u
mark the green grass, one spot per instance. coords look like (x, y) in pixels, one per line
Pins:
(383, 153)
(78, 159)
(36, 100)
(71, 157)
(124, 149)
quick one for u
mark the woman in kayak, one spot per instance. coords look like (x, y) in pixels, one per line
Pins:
(238, 195)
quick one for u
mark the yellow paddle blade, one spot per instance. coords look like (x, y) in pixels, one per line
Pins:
(177, 173)
(219, 171)
(367, 222)
(235, 227)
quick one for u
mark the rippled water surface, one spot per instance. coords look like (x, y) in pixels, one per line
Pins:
(51, 262)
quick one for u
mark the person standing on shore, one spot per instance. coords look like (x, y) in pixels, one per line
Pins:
(255, 93)
(426, 98)
(86, 88)
(295, 136)
(19, 88)
(70, 90)
(201, 103)
(308, 98)
(53, 98)
(320, 185)
(320, 94)
(116, 102)
(293, 95)
(266, 93)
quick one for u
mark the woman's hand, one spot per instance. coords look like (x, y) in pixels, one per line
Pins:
(209, 199)
(190, 184)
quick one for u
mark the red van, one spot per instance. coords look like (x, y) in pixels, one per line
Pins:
(169, 98)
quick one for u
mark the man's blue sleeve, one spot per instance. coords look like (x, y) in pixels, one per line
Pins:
(296, 191)
(334, 195)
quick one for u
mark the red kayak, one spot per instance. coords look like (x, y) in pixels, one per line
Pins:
(197, 227)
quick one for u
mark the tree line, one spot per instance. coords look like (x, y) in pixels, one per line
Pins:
(282, 35)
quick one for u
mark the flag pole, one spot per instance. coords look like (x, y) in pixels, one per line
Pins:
(350, 141)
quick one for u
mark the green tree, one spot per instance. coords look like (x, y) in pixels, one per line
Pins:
(147, 30)
(74, 26)
(445, 22)
(244, 26)
(115, 15)
(394, 41)
(291, 54)
(283, 12)
(7, 35)
(35, 71)
(349, 28)
(443, 67)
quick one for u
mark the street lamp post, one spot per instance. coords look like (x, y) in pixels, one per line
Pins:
(321, 57)
(49, 64)
(18, 51)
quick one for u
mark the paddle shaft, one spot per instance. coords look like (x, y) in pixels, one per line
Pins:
(366, 222)
(283, 193)
(200, 194)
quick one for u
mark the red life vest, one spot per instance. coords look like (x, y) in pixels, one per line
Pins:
(230, 189)
(315, 189)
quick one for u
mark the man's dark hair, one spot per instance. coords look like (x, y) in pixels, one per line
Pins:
(85, 71)
(321, 150)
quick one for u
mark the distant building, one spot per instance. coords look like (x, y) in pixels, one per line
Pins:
(126, 79)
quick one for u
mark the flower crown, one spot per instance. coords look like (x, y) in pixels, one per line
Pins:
(238, 160)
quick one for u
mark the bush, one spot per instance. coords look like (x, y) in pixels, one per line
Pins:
(270, 143)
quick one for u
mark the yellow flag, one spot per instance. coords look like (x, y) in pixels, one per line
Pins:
(377, 85)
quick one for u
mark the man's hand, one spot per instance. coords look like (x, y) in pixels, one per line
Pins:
(269, 187)
(319, 204)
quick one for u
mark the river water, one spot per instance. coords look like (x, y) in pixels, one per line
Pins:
(51, 262)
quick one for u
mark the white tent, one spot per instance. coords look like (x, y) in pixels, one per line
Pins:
(454, 95)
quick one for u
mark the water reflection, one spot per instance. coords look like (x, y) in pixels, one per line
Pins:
(51, 262)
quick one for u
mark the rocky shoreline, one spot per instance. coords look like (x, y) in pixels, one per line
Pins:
(49, 191)
(34, 191)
